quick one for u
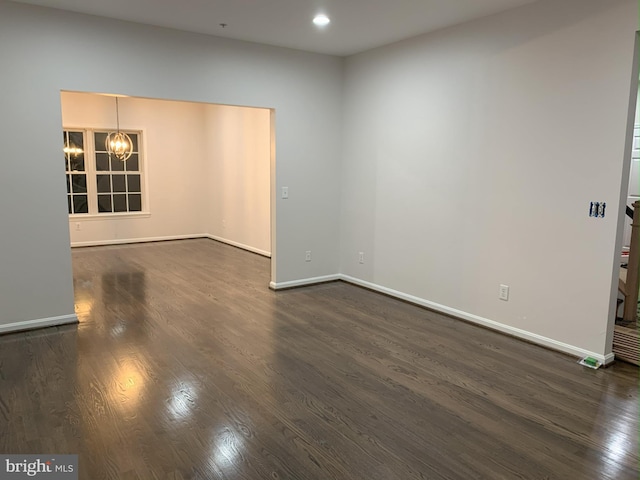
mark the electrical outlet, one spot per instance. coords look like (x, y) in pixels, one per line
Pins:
(504, 293)
(360, 257)
(78, 226)
(307, 256)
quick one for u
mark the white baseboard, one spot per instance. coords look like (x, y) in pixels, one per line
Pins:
(264, 253)
(493, 325)
(304, 282)
(123, 241)
(38, 323)
(608, 358)
(485, 322)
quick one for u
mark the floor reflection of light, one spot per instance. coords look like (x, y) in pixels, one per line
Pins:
(618, 449)
(616, 446)
(620, 446)
(129, 386)
(227, 448)
(118, 329)
(182, 401)
(84, 298)
(83, 308)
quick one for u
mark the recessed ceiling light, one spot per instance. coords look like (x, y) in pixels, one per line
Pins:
(321, 20)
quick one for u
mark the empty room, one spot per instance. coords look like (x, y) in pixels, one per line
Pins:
(328, 240)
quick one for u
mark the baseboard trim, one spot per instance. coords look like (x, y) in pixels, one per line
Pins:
(491, 324)
(264, 253)
(305, 282)
(124, 241)
(38, 323)
(609, 358)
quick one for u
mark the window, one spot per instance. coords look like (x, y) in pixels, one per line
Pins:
(97, 183)
(76, 174)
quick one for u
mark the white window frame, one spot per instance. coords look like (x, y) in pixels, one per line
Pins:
(91, 173)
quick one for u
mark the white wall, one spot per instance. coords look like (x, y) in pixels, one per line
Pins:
(237, 146)
(463, 166)
(36, 45)
(471, 156)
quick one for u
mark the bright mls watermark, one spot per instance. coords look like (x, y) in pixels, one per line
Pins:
(50, 467)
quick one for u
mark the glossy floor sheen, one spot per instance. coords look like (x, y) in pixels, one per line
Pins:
(185, 366)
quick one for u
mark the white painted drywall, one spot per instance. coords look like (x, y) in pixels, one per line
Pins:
(238, 153)
(471, 156)
(45, 51)
(463, 167)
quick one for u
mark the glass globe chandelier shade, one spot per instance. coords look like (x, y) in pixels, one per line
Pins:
(118, 143)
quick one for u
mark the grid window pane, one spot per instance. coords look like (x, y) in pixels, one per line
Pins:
(117, 165)
(120, 203)
(76, 140)
(102, 162)
(119, 183)
(133, 183)
(77, 162)
(135, 202)
(104, 183)
(68, 183)
(134, 141)
(100, 138)
(104, 203)
(133, 164)
(69, 204)
(80, 204)
(79, 183)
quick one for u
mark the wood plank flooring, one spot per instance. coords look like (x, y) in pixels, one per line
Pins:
(186, 366)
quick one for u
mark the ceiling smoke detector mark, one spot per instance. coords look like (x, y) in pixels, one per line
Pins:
(321, 20)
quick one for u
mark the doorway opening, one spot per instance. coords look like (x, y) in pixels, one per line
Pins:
(626, 337)
(198, 170)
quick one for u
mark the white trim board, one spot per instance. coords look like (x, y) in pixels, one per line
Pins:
(304, 282)
(485, 322)
(264, 253)
(38, 323)
(123, 241)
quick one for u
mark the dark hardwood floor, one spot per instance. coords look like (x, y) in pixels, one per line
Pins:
(186, 366)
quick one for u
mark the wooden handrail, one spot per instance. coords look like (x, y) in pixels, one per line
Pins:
(633, 269)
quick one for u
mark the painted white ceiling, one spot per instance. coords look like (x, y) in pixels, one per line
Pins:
(356, 25)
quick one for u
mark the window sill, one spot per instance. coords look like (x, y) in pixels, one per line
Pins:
(108, 216)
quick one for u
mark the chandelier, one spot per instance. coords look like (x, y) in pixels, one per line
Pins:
(118, 143)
